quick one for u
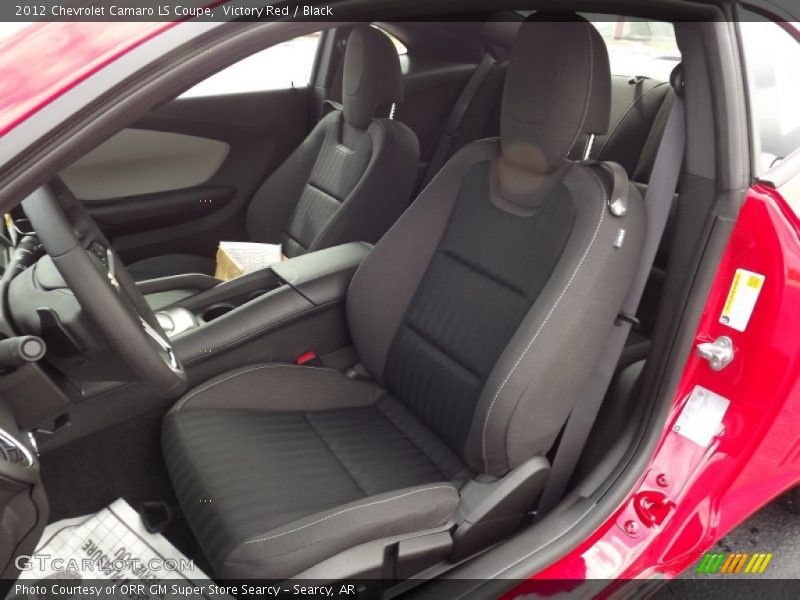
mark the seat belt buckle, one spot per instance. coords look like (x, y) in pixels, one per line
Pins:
(308, 359)
(358, 373)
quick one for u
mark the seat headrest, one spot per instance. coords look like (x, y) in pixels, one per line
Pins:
(558, 86)
(372, 76)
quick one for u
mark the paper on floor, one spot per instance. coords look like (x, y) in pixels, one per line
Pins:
(111, 546)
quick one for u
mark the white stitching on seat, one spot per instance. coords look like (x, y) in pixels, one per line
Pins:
(277, 535)
(544, 322)
(199, 390)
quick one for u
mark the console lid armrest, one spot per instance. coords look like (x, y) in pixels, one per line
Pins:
(324, 275)
(188, 281)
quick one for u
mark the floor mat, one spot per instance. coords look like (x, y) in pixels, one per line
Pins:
(109, 547)
(123, 461)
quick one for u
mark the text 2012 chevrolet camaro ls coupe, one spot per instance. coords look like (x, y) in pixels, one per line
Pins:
(533, 314)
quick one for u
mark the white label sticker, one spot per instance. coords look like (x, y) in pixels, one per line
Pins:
(741, 299)
(702, 416)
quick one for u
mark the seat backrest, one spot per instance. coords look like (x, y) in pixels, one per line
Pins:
(352, 176)
(487, 304)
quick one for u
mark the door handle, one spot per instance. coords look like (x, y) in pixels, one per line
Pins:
(718, 353)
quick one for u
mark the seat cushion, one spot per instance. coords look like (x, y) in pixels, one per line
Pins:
(170, 264)
(270, 491)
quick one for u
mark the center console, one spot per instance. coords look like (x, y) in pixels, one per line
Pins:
(212, 316)
(271, 315)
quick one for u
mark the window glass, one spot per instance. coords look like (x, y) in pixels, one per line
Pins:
(772, 60)
(398, 45)
(282, 66)
(638, 47)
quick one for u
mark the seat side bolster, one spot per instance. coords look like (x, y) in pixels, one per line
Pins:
(382, 193)
(280, 387)
(287, 550)
(528, 395)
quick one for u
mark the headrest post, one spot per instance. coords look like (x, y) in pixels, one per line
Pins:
(587, 150)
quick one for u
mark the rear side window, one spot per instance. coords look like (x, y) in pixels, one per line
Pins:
(398, 45)
(772, 63)
(638, 47)
(282, 66)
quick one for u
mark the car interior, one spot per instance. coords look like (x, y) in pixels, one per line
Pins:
(461, 207)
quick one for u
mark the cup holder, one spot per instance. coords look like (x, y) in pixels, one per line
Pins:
(215, 311)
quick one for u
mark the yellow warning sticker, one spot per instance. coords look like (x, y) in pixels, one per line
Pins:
(741, 299)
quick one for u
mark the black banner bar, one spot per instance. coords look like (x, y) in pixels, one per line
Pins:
(22, 11)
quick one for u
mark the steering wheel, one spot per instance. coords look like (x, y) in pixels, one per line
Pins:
(104, 288)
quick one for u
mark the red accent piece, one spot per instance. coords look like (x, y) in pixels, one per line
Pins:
(652, 507)
(306, 357)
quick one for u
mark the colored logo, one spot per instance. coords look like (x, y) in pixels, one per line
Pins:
(731, 563)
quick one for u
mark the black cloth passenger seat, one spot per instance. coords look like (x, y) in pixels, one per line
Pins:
(639, 110)
(479, 316)
(349, 180)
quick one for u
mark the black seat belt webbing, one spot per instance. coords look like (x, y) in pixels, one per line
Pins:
(658, 201)
(462, 104)
(330, 103)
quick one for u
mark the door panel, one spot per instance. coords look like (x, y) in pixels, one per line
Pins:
(145, 214)
(141, 161)
(170, 198)
(121, 216)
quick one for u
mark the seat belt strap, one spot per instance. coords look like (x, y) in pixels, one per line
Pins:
(658, 201)
(462, 104)
(329, 106)
(330, 103)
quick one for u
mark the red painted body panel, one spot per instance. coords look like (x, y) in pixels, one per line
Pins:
(755, 457)
(44, 60)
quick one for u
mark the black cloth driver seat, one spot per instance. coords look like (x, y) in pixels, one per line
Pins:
(479, 315)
